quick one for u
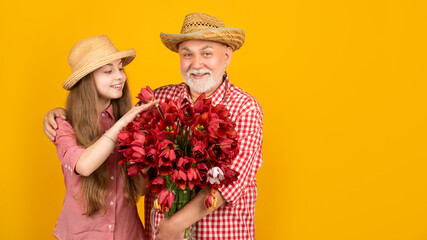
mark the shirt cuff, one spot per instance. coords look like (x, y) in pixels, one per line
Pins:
(231, 193)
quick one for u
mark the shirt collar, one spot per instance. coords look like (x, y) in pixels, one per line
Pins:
(109, 111)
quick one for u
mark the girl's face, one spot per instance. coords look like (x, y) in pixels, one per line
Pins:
(109, 82)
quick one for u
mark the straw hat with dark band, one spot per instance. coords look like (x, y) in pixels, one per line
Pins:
(92, 53)
(200, 26)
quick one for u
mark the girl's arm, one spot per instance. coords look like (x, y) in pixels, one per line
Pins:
(98, 152)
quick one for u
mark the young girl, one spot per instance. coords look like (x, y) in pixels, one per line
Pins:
(100, 199)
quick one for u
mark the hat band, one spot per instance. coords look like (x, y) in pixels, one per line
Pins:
(205, 24)
(203, 31)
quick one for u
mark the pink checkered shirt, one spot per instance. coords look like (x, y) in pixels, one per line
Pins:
(121, 221)
(235, 219)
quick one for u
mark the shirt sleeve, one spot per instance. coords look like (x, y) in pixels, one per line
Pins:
(249, 127)
(67, 148)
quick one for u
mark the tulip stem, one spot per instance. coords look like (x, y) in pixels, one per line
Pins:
(210, 164)
(161, 115)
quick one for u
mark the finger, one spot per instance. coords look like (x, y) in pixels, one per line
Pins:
(49, 135)
(48, 128)
(51, 138)
(144, 107)
(135, 110)
(149, 105)
(60, 114)
(52, 132)
(138, 109)
(45, 129)
(51, 124)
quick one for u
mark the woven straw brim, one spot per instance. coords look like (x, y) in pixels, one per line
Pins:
(127, 57)
(233, 37)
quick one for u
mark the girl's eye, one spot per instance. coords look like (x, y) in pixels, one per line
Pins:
(121, 69)
(108, 71)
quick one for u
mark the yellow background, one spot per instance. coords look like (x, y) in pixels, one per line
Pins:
(342, 85)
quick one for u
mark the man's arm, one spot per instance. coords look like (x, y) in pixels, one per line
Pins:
(49, 123)
(174, 227)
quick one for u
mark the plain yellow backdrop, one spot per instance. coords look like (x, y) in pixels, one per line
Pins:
(342, 85)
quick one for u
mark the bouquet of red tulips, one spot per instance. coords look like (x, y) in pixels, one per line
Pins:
(187, 147)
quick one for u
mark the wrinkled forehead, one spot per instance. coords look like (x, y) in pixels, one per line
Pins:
(199, 44)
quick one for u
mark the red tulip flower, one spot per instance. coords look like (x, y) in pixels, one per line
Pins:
(188, 116)
(133, 170)
(179, 178)
(193, 177)
(203, 173)
(166, 198)
(210, 201)
(151, 157)
(157, 184)
(170, 109)
(138, 154)
(139, 135)
(185, 163)
(230, 176)
(146, 95)
(167, 151)
(124, 137)
(216, 154)
(201, 125)
(149, 118)
(164, 168)
(202, 104)
(199, 152)
(167, 126)
(221, 112)
(126, 155)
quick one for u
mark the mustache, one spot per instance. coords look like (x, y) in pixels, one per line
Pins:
(198, 72)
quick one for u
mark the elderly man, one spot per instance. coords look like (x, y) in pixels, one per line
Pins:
(205, 48)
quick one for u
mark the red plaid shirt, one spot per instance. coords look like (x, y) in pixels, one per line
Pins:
(235, 218)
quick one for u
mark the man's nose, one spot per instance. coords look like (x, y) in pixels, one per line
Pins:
(197, 62)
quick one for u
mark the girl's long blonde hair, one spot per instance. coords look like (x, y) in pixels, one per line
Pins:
(83, 116)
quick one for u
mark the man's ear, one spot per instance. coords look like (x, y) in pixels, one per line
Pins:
(228, 55)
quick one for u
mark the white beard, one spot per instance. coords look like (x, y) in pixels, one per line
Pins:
(205, 85)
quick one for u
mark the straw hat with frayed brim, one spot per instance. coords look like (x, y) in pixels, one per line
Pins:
(200, 26)
(92, 53)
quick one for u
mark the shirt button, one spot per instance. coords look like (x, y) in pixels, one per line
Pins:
(112, 152)
(111, 203)
(110, 226)
(103, 114)
(112, 177)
